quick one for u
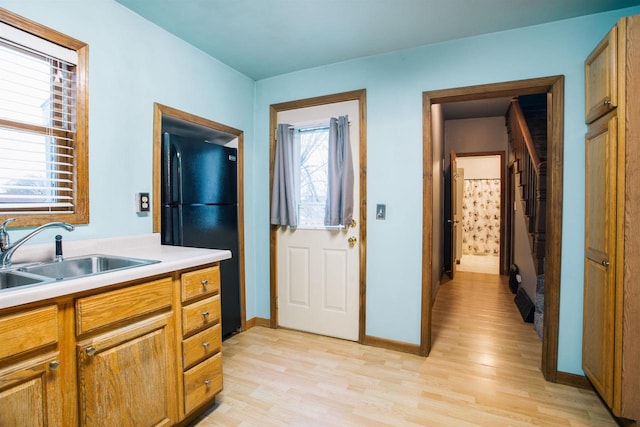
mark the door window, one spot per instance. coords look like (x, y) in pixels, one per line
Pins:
(312, 176)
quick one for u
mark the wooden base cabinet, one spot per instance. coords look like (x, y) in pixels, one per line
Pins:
(611, 326)
(201, 337)
(30, 377)
(144, 353)
(124, 377)
(126, 373)
(31, 393)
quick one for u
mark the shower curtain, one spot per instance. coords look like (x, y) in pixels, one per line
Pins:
(481, 217)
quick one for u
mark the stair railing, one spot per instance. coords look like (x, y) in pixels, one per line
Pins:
(533, 175)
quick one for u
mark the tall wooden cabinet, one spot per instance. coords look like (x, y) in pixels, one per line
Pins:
(611, 328)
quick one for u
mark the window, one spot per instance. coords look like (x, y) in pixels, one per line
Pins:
(43, 124)
(313, 176)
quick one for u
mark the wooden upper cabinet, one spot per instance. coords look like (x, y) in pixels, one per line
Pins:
(600, 68)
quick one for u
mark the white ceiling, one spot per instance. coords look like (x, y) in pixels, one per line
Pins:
(265, 38)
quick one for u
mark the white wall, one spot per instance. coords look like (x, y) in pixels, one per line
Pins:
(474, 135)
(485, 167)
(522, 250)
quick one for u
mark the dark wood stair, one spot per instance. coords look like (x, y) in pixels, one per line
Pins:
(527, 129)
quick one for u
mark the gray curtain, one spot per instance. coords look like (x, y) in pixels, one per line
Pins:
(283, 196)
(339, 207)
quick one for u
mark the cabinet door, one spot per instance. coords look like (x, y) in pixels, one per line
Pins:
(125, 376)
(599, 275)
(31, 394)
(601, 89)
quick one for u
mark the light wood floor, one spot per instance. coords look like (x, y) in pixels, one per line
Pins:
(483, 371)
(489, 264)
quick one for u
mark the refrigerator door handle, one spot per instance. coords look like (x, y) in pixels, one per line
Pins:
(180, 226)
(167, 226)
(178, 157)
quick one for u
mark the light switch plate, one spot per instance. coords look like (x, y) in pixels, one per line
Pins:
(381, 211)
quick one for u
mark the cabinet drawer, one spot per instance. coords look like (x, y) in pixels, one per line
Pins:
(202, 382)
(201, 345)
(28, 330)
(200, 314)
(201, 282)
(117, 306)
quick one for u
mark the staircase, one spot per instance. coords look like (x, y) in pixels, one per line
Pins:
(527, 129)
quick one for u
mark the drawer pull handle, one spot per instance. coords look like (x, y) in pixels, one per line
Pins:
(205, 345)
(204, 282)
(91, 350)
(207, 383)
(605, 263)
(54, 364)
(205, 314)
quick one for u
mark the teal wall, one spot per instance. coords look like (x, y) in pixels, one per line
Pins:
(394, 84)
(133, 63)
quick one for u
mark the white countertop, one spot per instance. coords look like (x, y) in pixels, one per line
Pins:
(144, 246)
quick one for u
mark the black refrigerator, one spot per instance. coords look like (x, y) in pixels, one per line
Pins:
(200, 209)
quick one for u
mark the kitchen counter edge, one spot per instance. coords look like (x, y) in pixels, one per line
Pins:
(172, 258)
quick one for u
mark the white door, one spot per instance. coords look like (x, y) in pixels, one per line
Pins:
(318, 269)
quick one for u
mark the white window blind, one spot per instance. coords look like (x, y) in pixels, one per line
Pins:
(37, 124)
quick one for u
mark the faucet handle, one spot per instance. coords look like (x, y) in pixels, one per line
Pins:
(4, 236)
(58, 248)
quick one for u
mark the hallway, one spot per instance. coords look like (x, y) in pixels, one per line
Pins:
(489, 264)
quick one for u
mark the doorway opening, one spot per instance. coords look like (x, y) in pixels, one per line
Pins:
(480, 200)
(433, 201)
(189, 126)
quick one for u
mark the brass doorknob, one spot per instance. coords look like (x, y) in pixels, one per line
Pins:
(352, 241)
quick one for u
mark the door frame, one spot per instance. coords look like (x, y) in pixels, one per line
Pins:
(503, 200)
(360, 96)
(160, 111)
(453, 202)
(554, 88)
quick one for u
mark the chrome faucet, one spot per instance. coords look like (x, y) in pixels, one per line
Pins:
(7, 249)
